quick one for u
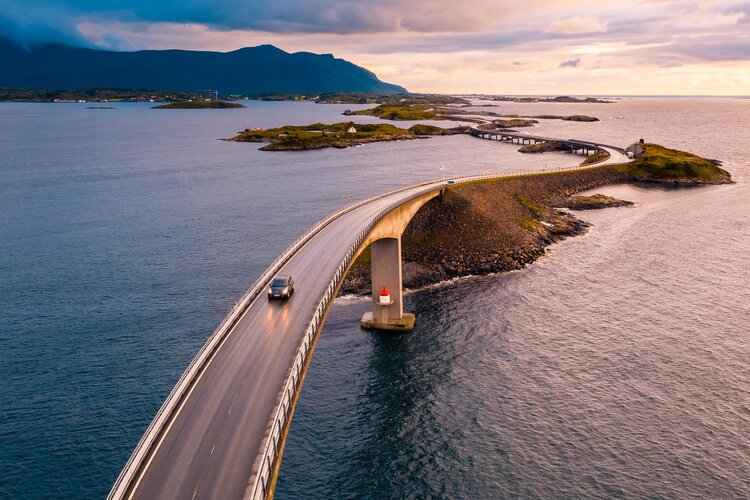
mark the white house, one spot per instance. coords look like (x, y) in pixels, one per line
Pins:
(634, 150)
(352, 130)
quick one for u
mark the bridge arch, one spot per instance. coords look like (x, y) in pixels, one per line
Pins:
(385, 244)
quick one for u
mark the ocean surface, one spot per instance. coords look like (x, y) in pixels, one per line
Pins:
(618, 365)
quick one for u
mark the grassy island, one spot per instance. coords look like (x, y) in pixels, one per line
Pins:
(200, 105)
(596, 201)
(337, 135)
(597, 157)
(391, 99)
(568, 118)
(402, 112)
(543, 147)
(561, 98)
(671, 166)
(320, 135)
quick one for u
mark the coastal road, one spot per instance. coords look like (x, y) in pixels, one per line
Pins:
(208, 442)
(214, 438)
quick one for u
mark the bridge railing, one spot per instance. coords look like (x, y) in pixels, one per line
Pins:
(127, 480)
(270, 448)
(150, 439)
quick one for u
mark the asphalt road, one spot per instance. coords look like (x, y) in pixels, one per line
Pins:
(215, 437)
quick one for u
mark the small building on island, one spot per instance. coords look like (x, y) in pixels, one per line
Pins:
(352, 130)
(635, 150)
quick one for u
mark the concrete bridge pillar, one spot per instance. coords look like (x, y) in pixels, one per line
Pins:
(386, 273)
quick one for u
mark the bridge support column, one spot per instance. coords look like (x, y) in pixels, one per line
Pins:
(386, 273)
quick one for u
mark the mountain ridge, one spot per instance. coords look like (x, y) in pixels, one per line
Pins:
(263, 69)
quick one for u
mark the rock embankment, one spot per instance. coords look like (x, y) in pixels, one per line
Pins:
(487, 227)
(495, 226)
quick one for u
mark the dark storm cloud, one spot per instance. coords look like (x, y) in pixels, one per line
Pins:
(29, 26)
(37, 20)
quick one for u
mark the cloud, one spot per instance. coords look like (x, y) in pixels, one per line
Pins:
(30, 27)
(573, 63)
(718, 20)
(434, 45)
(577, 25)
(271, 16)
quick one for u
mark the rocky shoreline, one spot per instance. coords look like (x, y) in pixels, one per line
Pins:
(487, 227)
(596, 201)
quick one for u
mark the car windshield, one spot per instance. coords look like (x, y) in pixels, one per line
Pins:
(279, 282)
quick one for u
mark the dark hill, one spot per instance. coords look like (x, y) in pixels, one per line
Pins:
(250, 71)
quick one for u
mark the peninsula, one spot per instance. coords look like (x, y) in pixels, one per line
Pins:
(501, 225)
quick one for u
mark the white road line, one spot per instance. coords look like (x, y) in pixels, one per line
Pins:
(187, 396)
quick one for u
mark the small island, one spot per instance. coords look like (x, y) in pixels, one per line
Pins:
(561, 98)
(596, 201)
(544, 147)
(402, 112)
(569, 118)
(562, 147)
(197, 104)
(337, 135)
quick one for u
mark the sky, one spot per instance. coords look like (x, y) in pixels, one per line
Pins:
(546, 47)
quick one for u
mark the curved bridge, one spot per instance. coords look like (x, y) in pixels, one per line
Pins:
(221, 431)
(576, 146)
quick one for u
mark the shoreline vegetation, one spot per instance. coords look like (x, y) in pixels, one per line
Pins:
(200, 104)
(96, 95)
(496, 226)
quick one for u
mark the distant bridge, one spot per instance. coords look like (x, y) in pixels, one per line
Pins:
(576, 146)
(221, 432)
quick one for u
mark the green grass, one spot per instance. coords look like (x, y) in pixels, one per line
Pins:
(526, 223)
(320, 135)
(422, 129)
(405, 112)
(660, 163)
(597, 157)
(514, 123)
(531, 205)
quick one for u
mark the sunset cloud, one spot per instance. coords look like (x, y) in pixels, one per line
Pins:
(634, 46)
(578, 25)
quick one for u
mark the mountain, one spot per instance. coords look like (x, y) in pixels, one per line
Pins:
(250, 71)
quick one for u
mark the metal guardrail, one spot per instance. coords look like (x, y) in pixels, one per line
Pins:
(270, 448)
(128, 479)
(123, 483)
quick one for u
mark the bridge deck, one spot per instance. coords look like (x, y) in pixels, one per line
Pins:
(215, 438)
(212, 437)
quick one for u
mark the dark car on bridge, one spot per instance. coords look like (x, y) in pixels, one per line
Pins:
(282, 287)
